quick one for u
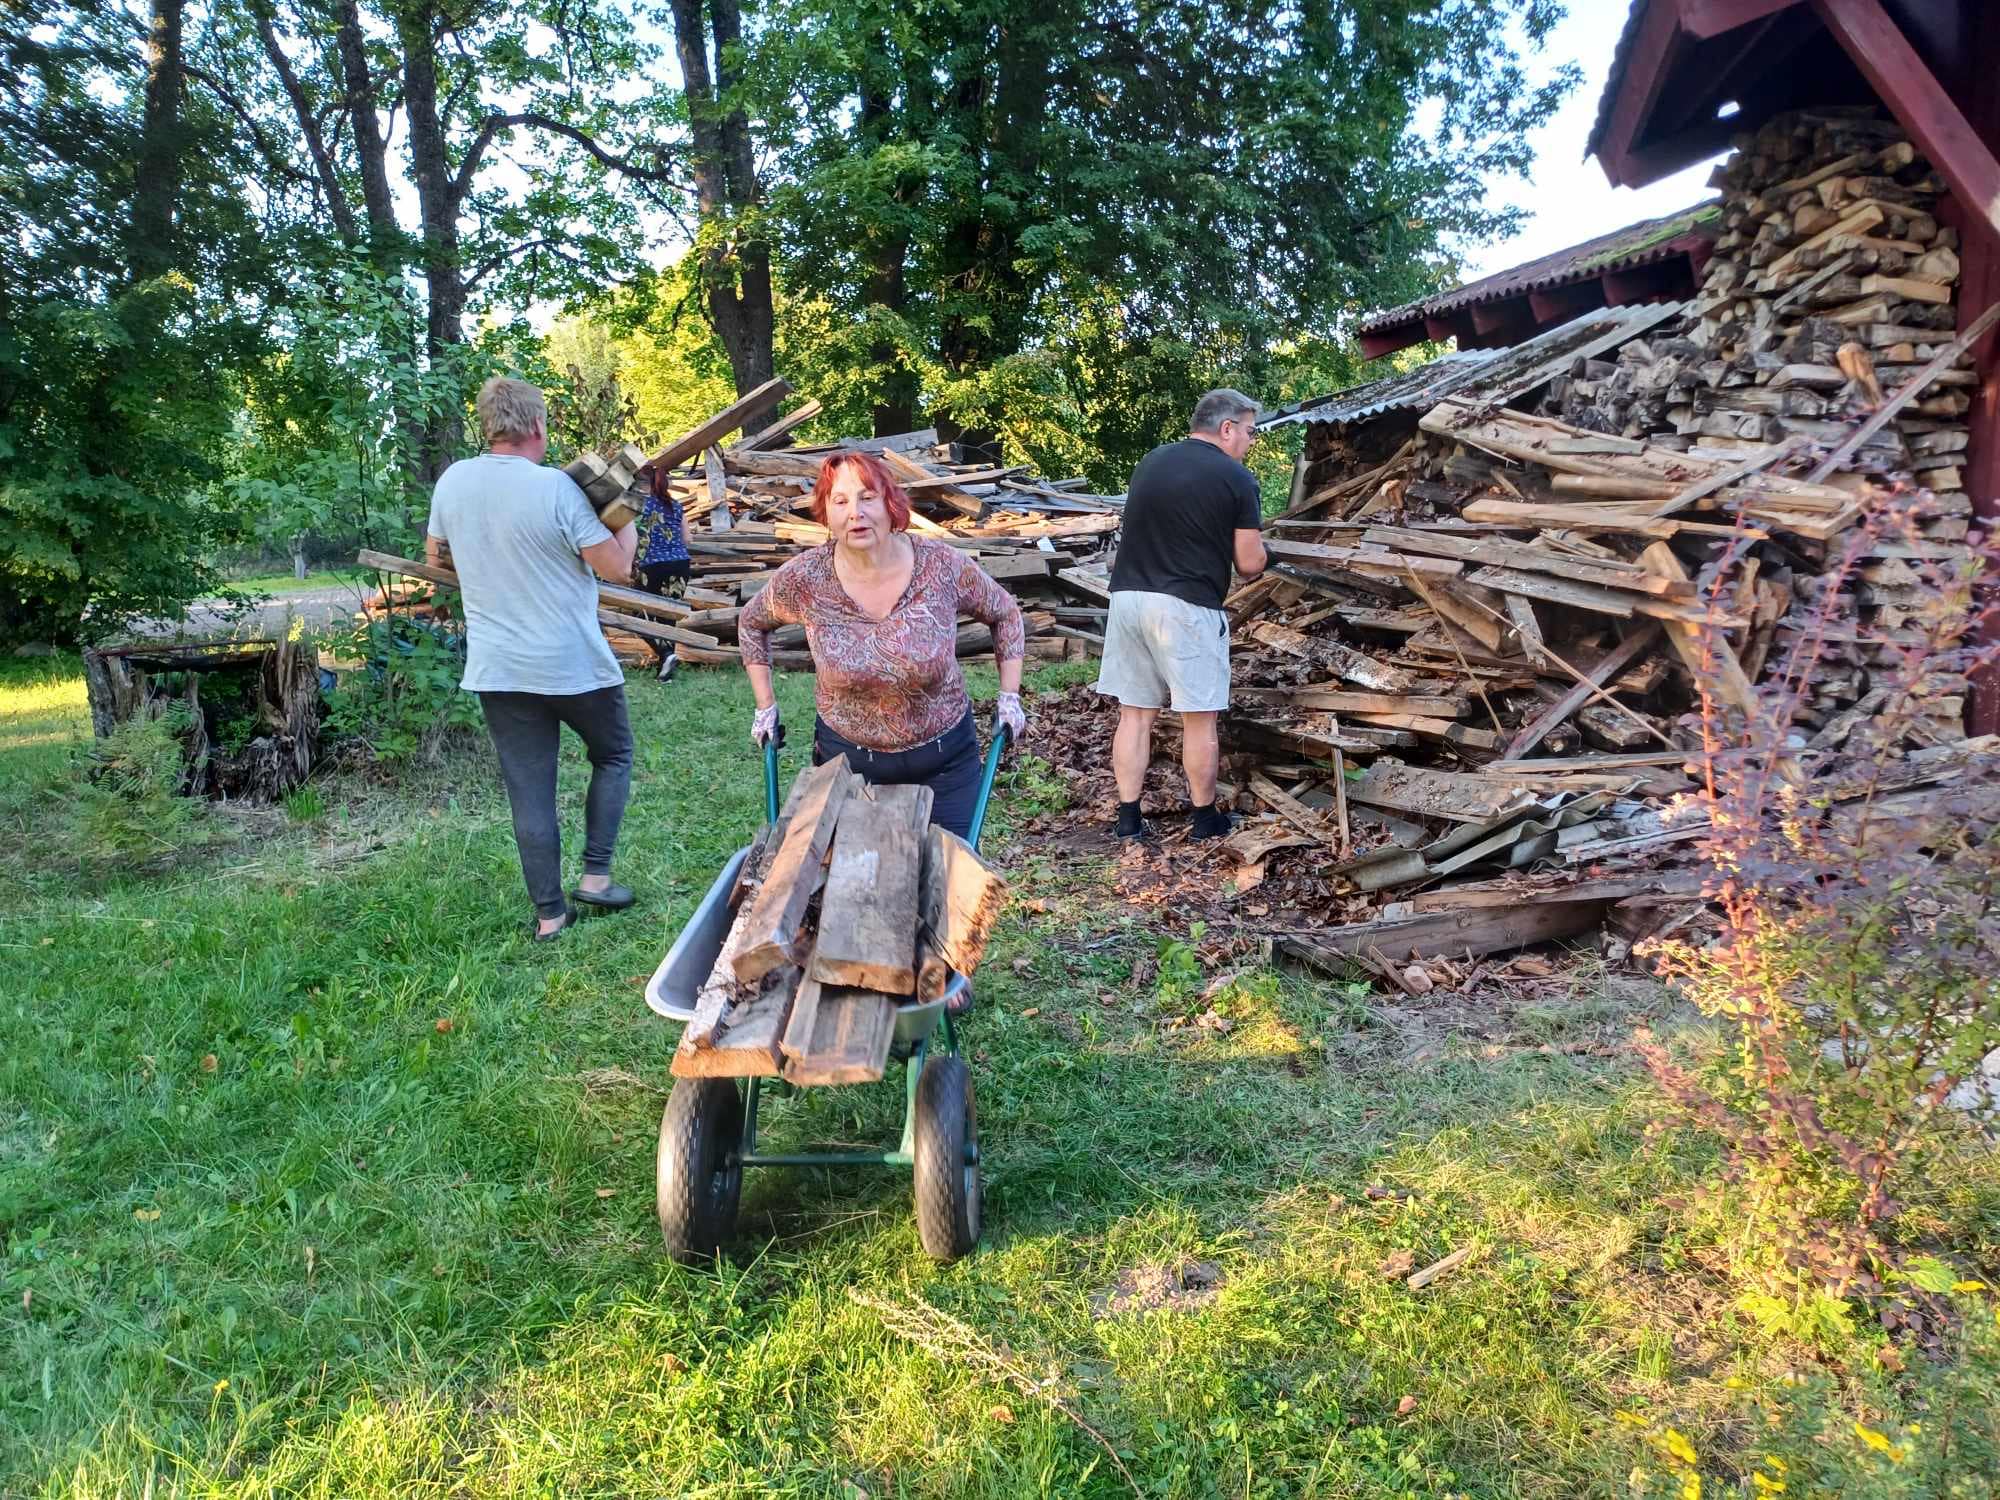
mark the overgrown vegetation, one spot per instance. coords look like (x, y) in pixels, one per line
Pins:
(1857, 981)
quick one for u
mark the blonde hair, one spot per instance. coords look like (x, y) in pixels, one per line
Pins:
(511, 411)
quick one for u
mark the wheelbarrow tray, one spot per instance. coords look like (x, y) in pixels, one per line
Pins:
(677, 982)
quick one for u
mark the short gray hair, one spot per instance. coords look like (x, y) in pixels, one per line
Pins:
(1219, 406)
(511, 410)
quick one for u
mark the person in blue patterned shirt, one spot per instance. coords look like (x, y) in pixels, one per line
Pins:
(664, 565)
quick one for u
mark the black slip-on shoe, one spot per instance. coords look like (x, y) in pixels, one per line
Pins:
(611, 898)
(535, 930)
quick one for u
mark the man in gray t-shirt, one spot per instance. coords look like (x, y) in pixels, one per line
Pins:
(523, 541)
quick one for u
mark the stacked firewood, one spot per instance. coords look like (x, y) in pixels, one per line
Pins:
(849, 906)
(1832, 282)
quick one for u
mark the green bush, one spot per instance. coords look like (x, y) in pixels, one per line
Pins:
(406, 699)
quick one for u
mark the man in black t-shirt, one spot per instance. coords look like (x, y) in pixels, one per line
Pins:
(1191, 515)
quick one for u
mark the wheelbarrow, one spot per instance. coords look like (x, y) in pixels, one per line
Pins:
(708, 1133)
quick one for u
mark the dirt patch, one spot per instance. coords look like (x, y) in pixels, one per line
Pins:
(1142, 1289)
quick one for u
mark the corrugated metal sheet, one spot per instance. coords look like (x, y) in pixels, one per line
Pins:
(1488, 374)
(1640, 244)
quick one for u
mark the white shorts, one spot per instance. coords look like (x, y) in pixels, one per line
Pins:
(1163, 652)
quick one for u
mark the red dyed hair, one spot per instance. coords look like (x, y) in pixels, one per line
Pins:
(875, 475)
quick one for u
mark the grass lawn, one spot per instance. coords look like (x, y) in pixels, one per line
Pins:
(317, 1178)
(285, 583)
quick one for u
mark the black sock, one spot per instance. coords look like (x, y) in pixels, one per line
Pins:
(1209, 820)
(1129, 821)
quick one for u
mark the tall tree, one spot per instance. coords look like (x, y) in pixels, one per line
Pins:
(134, 279)
(735, 255)
(1229, 175)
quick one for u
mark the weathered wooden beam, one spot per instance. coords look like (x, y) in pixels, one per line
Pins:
(773, 922)
(724, 422)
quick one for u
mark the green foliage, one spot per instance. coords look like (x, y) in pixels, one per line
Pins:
(339, 424)
(1057, 227)
(406, 699)
(118, 360)
(127, 805)
(305, 804)
(1181, 974)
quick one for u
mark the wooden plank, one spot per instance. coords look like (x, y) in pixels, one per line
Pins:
(1340, 701)
(1908, 392)
(1507, 553)
(1701, 489)
(777, 431)
(868, 912)
(1578, 517)
(724, 422)
(910, 471)
(774, 920)
(1424, 793)
(1608, 667)
(1711, 661)
(1356, 560)
(962, 899)
(1604, 601)
(1292, 810)
(653, 630)
(847, 1040)
(747, 1044)
(1445, 934)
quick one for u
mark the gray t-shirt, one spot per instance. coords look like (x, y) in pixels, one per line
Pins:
(516, 531)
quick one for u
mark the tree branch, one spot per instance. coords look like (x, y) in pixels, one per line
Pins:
(492, 125)
(315, 139)
(273, 158)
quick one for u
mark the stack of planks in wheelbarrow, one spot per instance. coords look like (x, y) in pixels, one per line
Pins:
(848, 906)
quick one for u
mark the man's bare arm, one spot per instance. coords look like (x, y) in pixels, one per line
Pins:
(1251, 558)
(434, 552)
(612, 560)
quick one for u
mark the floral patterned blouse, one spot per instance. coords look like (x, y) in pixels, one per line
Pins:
(885, 684)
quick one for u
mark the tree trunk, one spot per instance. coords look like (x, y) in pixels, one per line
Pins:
(444, 277)
(988, 300)
(736, 274)
(369, 147)
(159, 177)
(887, 255)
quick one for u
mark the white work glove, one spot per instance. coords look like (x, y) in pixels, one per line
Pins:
(1007, 713)
(764, 727)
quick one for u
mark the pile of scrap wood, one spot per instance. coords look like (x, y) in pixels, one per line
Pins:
(745, 506)
(1464, 688)
(849, 906)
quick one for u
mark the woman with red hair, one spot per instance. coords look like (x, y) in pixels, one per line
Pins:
(880, 609)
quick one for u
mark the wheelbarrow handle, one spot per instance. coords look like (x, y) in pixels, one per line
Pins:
(1002, 735)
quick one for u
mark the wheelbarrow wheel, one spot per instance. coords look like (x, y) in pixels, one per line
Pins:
(698, 1186)
(947, 1167)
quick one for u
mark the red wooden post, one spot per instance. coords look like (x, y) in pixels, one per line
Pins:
(1919, 102)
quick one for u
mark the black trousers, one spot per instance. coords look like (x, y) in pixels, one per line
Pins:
(949, 765)
(669, 580)
(526, 730)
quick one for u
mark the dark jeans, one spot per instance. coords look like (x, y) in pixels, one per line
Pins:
(949, 765)
(669, 580)
(526, 728)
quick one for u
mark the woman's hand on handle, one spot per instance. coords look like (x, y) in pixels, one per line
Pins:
(764, 726)
(1009, 715)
